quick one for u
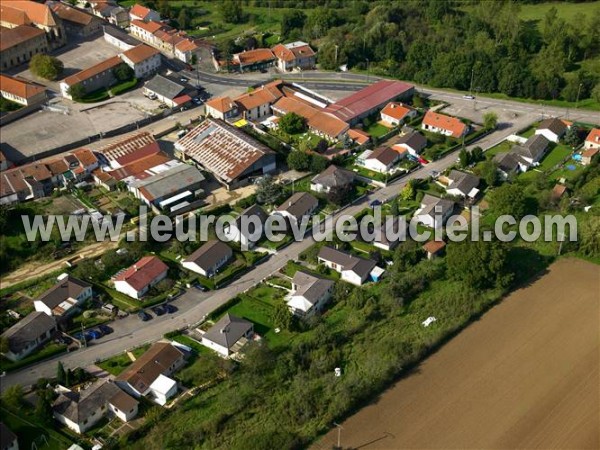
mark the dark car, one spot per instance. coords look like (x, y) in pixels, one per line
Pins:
(95, 334)
(78, 336)
(375, 203)
(200, 287)
(158, 310)
(170, 309)
(105, 329)
(144, 316)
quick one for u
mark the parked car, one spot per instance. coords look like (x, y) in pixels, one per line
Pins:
(197, 101)
(375, 203)
(95, 334)
(200, 287)
(170, 309)
(144, 316)
(158, 310)
(184, 79)
(105, 329)
(469, 97)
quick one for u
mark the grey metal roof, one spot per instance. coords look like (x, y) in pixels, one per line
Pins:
(311, 287)
(414, 140)
(360, 266)
(228, 330)
(121, 35)
(170, 182)
(78, 406)
(533, 148)
(28, 330)
(334, 176)
(164, 86)
(69, 287)
(463, 181)
(299, 204)
(431, 202)
(555, 125)
(209, 254)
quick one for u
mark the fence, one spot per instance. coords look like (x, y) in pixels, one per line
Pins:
(22, 112)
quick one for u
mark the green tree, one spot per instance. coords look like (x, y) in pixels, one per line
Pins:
(231, 11)
(282, 317)
(291, 20)
(489, 173)
(476, 154)
(298, 160)
(478, 263)
(572, 138)
(318, 163)
(46, 66)
(292, 123)
(123, 72)
(464, 157)
(509, 199)
(267, 191)
(4, 344)
(340, 195)
(183, 19)
(13, 396)
(408, 192)
(589, 237)
(43, 406)
(61, 374)
(77, 91)
(596, 93)
(490, 120)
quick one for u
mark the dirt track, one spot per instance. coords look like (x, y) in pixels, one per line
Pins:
(525, 376)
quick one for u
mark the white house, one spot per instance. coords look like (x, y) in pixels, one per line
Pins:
(137, 280)
(248, 227)
(143, 59)
(395, 113)
(228, 335)
(64, 297)
(382, 159)
(533, 150)
(149, 375)
(28, 334)
(462, 184)
(309, 294)
(353, 269)
(299, 205)
(442, 124)
(434, 211)
(209, 258)
(412, 141)
(139, 12)
(592, 140)
(80, 411)
(331, 178)
(552, 129)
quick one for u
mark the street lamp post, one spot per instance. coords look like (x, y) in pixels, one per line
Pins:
(578, 92)
(339, 435)
(368, 74)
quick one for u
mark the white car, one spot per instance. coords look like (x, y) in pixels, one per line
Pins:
(469, 97)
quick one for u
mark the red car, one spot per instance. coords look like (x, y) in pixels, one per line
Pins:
(423, 160)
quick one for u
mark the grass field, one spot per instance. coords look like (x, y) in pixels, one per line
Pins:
(513, 379)
(566, 10)
(555, 156)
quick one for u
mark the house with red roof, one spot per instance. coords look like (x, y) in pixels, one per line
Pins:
(592, 140)
(137, 280)
(294, 55)
(139, 12)
(22, 91)
(257, 59)
(442, 124)
(143, 59)
(395, 113)
(221, 108)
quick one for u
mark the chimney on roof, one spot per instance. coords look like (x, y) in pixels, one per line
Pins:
(224, 330)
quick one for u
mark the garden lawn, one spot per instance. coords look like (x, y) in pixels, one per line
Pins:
(48, 351)
(32, 434)
(377, 130)
(502, 147)
(554, 157)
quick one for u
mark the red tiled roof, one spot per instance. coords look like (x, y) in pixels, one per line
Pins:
(368, 98)
(434, 246)
(254, 56)
(86, 157)
(593, 136)
(139, 11)
(10, 37)
(317, 119)
(140, 53)
(143, 272)
(124, 146)
(19, 86)
(221, 104)
(37, 12)
(97, 69)
(358, 136)
(151, 27)
(139, 167)
(589, 153)
(266, 94)
(71, 14)
(13, 16)
(396, 110)
(452, 124)
(140, 153)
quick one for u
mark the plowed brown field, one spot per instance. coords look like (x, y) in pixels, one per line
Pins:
(524, 376)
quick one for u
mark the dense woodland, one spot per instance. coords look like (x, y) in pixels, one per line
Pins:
(483, 46)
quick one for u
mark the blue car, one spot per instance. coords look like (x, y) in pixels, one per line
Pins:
(95, 334)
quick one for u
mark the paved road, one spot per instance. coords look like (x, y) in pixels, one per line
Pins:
(194, 305)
